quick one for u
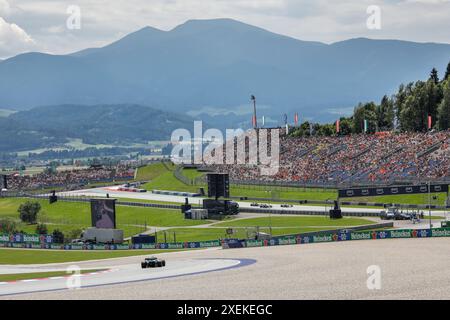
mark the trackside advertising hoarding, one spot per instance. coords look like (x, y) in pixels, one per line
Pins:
(25, 238)
(45, 242)
(393, 190)
(338, 236)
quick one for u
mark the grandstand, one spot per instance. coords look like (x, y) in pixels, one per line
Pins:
(70, 178)
(382, 158)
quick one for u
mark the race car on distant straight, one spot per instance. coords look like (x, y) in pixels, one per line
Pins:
(265, 206)
(389, 214)
(286, 205)
(394, 214)
(403, 216)
(153, 262)
(254, 204)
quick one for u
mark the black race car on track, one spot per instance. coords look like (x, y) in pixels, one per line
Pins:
(153, 262)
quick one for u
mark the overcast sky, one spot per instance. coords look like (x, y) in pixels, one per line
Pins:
(40, 25)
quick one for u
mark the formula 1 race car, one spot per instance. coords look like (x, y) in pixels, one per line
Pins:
(265, 206)
(153, 262)
(286, 205)
(254, 204)
(394, 214)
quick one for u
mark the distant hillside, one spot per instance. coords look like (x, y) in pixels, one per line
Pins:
(218, 64)
(100, 124)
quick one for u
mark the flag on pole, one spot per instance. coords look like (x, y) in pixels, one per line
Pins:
(366, 125)
(263, 120)
(430, 122)
(296, 119)
(287, 128)
(310, 129)
(254, 121)
(338, 126)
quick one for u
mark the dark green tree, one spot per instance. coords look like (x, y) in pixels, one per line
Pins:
(385, 114)
(444, 107)
(7, 226)
(28, 212)
(58, 236)
(434, 76)
(41, 229)
(433, 99)
(346, 126)
(365, 112)
(327, 130)
(447, 73)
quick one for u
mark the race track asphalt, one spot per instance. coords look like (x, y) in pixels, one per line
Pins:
(409, 269)
(102, 192)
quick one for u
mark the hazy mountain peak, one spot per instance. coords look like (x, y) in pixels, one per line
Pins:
(219, 63)
(209, 23)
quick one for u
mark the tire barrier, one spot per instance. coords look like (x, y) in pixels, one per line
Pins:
(339, 236)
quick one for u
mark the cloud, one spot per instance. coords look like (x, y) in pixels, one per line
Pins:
(319, 20)
(5, 8)
(13, 39)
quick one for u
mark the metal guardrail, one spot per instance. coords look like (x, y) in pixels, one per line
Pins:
(308, 213)
(87, 200)
(178, 173)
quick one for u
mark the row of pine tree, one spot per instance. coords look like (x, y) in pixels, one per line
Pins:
(413, 108)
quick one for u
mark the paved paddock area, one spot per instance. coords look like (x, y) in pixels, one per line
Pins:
(410, 269)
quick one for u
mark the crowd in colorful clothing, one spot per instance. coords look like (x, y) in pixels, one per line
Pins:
(382, 157)
(69, 178)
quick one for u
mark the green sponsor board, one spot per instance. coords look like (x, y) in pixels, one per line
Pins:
(254, 243)
(209, 244)
(76, 247)
(56, 246)
(440, 233)
(360, 235)
(122, 247)
(4, 237)
(322, 238)
(148, 246)
(36, 246)
(175, 245)
(400, 233)
(98, 247)
(286, 241)
(31, 238)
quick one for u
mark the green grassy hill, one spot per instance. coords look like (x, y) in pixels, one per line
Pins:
(69, 216)
(163, 179)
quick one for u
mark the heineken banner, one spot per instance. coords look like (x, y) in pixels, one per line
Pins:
(46, 242)
(340, 236)
(26, 238)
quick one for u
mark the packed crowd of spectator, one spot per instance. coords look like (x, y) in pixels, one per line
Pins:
(69, 178)
(382, 157)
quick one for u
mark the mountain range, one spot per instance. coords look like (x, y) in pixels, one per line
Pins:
(208, 68)
(55, 126)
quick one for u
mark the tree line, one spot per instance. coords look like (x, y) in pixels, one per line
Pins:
(413, 108)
